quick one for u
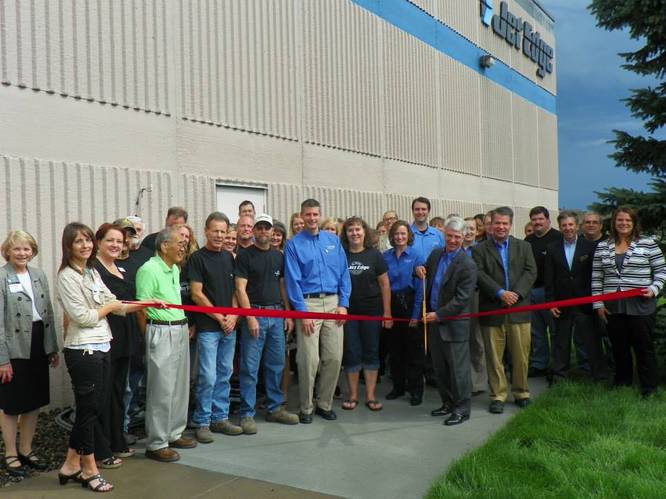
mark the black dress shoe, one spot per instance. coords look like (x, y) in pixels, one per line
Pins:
(304, 418)
(522, 403)
(442, 411)
(535, 372)
(456, 418)
(394, 394)
(415, 399)
(327, 415)
(496, 407)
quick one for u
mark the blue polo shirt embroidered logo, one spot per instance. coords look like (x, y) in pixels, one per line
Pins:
(486, 12)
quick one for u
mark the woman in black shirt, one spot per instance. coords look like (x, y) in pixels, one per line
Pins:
(110, 240)
(371, 295)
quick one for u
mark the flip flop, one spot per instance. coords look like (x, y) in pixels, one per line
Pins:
(374, 405)
(349, 404)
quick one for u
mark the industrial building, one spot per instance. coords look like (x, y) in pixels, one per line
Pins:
(362, 104)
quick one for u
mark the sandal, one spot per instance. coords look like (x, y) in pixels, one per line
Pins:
(110, 463)
(15, 471)
(129, 452)
(349, 404)
(101, 483)
(374, 405)
(74, 477)
(32, 461)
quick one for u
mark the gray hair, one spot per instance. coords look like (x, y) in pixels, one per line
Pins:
(164, 236)
(455, 223)
(594, 214)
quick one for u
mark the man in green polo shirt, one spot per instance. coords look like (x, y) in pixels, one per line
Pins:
(167, 350)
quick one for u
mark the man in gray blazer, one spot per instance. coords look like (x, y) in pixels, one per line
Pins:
(506, 273)
(450, 285)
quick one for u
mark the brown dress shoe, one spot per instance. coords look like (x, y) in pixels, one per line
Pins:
(183, 443)
(164, 455)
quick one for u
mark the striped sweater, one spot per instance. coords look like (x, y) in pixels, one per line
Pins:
(643, 267)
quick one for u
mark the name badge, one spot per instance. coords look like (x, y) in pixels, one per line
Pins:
(15, 287)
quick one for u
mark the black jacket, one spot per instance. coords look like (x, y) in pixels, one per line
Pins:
(562, 283)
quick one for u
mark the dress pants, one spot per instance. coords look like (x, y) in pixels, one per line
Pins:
(477, 352)
(580, 326)
(320, 352)
(542, 322)
(114, 414)
(516, 339)
(167, 383)
(451, 362)
(633, 332)
(406, 348)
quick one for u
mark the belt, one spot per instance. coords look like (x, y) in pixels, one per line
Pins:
(317, 295)
(179, 322)
(275, 306)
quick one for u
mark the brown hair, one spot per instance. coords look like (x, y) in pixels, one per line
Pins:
(105, 228)
(177, 212)
(69, 234)
(635, 231)
(367, 237)
(281, 229)
(394, 227)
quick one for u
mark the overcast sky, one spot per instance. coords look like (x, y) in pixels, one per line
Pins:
(590, 85)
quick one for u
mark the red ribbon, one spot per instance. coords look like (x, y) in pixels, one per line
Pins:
(293, 314)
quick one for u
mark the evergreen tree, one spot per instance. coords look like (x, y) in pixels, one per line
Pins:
(645, 21)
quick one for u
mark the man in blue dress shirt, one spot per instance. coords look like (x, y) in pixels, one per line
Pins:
(426, 238)
(317, 280)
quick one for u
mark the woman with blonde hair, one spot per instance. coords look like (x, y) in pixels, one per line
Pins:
(296, 223)
(28, 344)
(330, 225)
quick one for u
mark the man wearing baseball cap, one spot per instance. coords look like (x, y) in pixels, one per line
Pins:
(260, 284)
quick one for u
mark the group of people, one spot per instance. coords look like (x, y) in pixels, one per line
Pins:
(116, 290)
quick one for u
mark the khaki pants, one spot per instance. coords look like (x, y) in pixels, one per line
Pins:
(516, 338)
(321, 351)
(167, 384)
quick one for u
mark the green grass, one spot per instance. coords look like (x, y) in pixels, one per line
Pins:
(576, 440)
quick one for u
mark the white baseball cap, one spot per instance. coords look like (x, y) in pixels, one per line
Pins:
(267, 219)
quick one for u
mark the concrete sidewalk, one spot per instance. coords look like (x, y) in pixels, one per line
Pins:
(394, 453)
(141, 478)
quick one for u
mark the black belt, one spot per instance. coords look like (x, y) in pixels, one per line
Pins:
(317, 295)
(167, 323)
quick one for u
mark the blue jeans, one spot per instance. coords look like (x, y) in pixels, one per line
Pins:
(361, 346)
(216, 364)
(270, 343)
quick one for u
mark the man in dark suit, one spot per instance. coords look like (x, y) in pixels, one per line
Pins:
(568, 274)
(451, 281)
(506, 273)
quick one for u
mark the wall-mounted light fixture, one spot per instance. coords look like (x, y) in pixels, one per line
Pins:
(486, 61)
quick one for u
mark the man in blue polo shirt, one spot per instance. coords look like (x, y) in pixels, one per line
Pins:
(317, 280)
(426, 238)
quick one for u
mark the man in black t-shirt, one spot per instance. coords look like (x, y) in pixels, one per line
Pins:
(211, 274)
(542, 320)
(260, 284)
